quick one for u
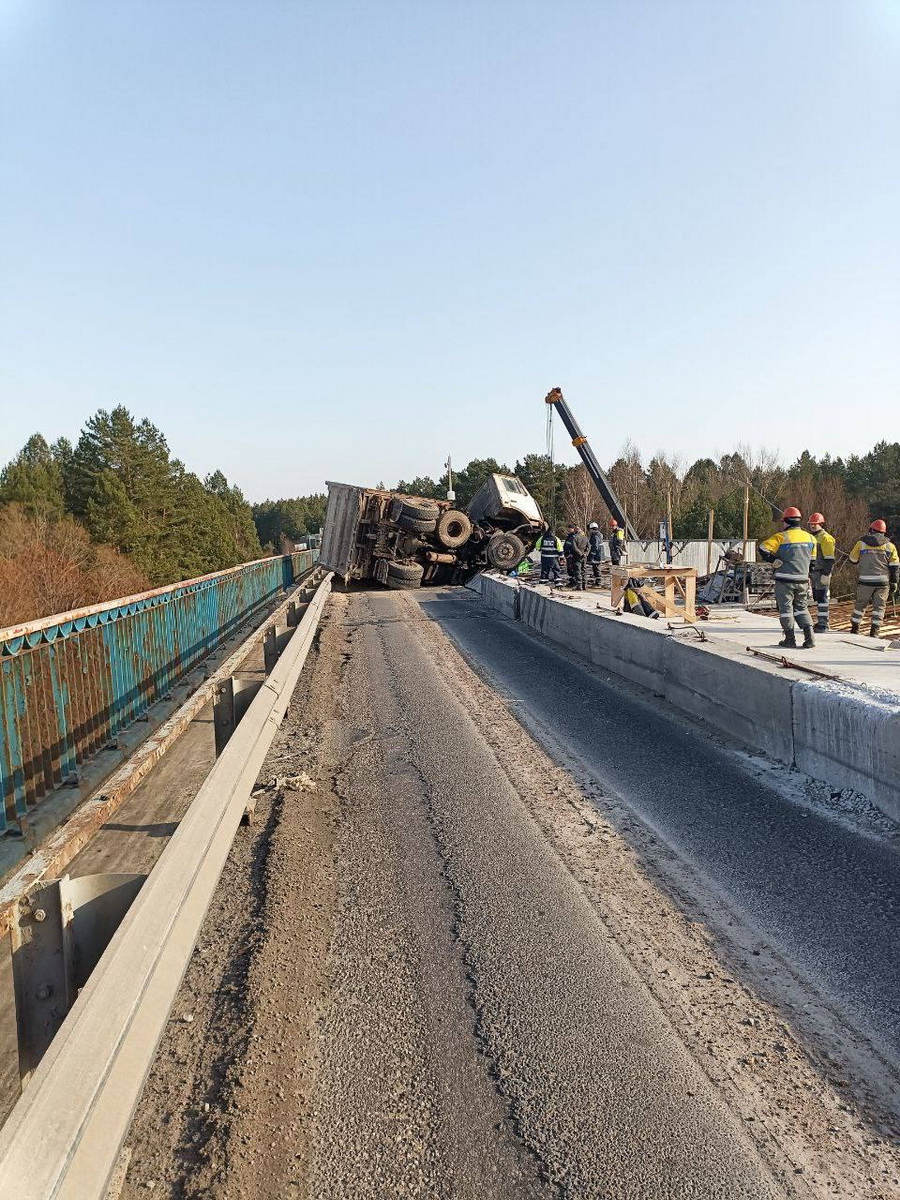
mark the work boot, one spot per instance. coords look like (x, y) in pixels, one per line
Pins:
(854, 626)
(820, 627)
(875, 631)
(808, 640)
(789, 641)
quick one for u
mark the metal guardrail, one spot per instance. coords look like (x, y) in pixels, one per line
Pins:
(63, 1138)
(71, 682)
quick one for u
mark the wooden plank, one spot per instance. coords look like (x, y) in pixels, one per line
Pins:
(690, 599)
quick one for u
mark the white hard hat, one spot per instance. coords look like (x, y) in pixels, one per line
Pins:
(593, 525)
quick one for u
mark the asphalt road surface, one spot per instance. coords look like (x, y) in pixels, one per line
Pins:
(825, 896)
(436, 969)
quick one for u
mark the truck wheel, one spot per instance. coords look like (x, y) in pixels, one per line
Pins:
(404, 575)
(414, 526)
(423, 510)
(453, 528)
(505, 551)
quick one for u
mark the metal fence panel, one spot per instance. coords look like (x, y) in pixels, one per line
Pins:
(70, 683)
(688, 553)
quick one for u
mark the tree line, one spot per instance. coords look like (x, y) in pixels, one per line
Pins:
(280, 520)
(858, 487)
(115, 513)
(111, 515)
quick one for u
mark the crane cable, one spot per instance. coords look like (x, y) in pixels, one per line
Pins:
(552, 497)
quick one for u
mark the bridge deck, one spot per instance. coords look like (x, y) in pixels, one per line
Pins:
(505, 928)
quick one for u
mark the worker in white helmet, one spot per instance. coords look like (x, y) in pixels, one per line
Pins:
(597, 551)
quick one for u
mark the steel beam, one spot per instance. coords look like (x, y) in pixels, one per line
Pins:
(61, 929)
(233, 698)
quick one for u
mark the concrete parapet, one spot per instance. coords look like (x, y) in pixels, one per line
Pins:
(745, 698)
(850, 739)
(840, 734)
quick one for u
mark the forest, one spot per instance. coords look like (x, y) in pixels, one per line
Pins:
(115, 513)
(112, 515)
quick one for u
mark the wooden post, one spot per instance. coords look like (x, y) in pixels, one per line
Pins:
(669, 520)
(709, 540)
(746, 519)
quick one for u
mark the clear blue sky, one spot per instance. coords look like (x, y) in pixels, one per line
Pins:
(340, 240)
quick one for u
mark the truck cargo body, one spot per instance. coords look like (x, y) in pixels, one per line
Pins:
(406, 541)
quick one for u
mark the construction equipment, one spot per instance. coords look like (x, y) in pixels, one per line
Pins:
(601, 483)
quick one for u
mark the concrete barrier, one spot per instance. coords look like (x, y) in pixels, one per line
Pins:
(503, 597)
(627, 647)
(850, 739)
(840, 734)
(747, 699)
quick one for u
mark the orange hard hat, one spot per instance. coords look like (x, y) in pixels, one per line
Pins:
(817, 519)
(614, 524)
(878, 527)
(792, 514)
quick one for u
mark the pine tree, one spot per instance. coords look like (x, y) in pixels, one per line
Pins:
(243, 535)
(34, 479)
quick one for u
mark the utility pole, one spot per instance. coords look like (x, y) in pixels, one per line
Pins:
(451, 495)
(709, 541)
(669, 533)
(746, 520)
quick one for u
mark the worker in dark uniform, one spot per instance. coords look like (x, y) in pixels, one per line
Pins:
(822, 566)
(597, 551)
(581, 547)
(551, 552)
(879, 576)
(568, 556)
(792, 552)
(635, 603)
(616, 543)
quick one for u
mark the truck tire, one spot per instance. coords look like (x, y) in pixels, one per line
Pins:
(505, 551)
(404, 575)
(417, 524)
(419, 510)
(453, 528)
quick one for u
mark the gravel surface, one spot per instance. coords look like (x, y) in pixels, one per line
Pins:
(436, 966)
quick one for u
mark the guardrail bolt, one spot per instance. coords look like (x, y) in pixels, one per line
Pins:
(44, 992)
(39, 914)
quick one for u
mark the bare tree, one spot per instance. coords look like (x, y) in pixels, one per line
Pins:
(50, 566)
(580, 501)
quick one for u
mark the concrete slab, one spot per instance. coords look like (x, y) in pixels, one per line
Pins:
(853, 659)
(842, 726)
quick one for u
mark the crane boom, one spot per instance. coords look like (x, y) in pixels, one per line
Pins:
(589, 458)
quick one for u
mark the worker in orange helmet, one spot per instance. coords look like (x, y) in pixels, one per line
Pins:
(617, 545)
(822, 566)
(879, 576)
(792, 552)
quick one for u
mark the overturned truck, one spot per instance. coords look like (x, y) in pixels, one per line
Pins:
(406, 541)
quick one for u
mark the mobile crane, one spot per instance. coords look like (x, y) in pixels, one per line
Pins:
(601, 483)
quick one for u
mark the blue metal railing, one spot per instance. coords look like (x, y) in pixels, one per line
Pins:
(70, 683)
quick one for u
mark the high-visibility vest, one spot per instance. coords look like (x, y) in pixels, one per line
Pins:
(794, 548)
